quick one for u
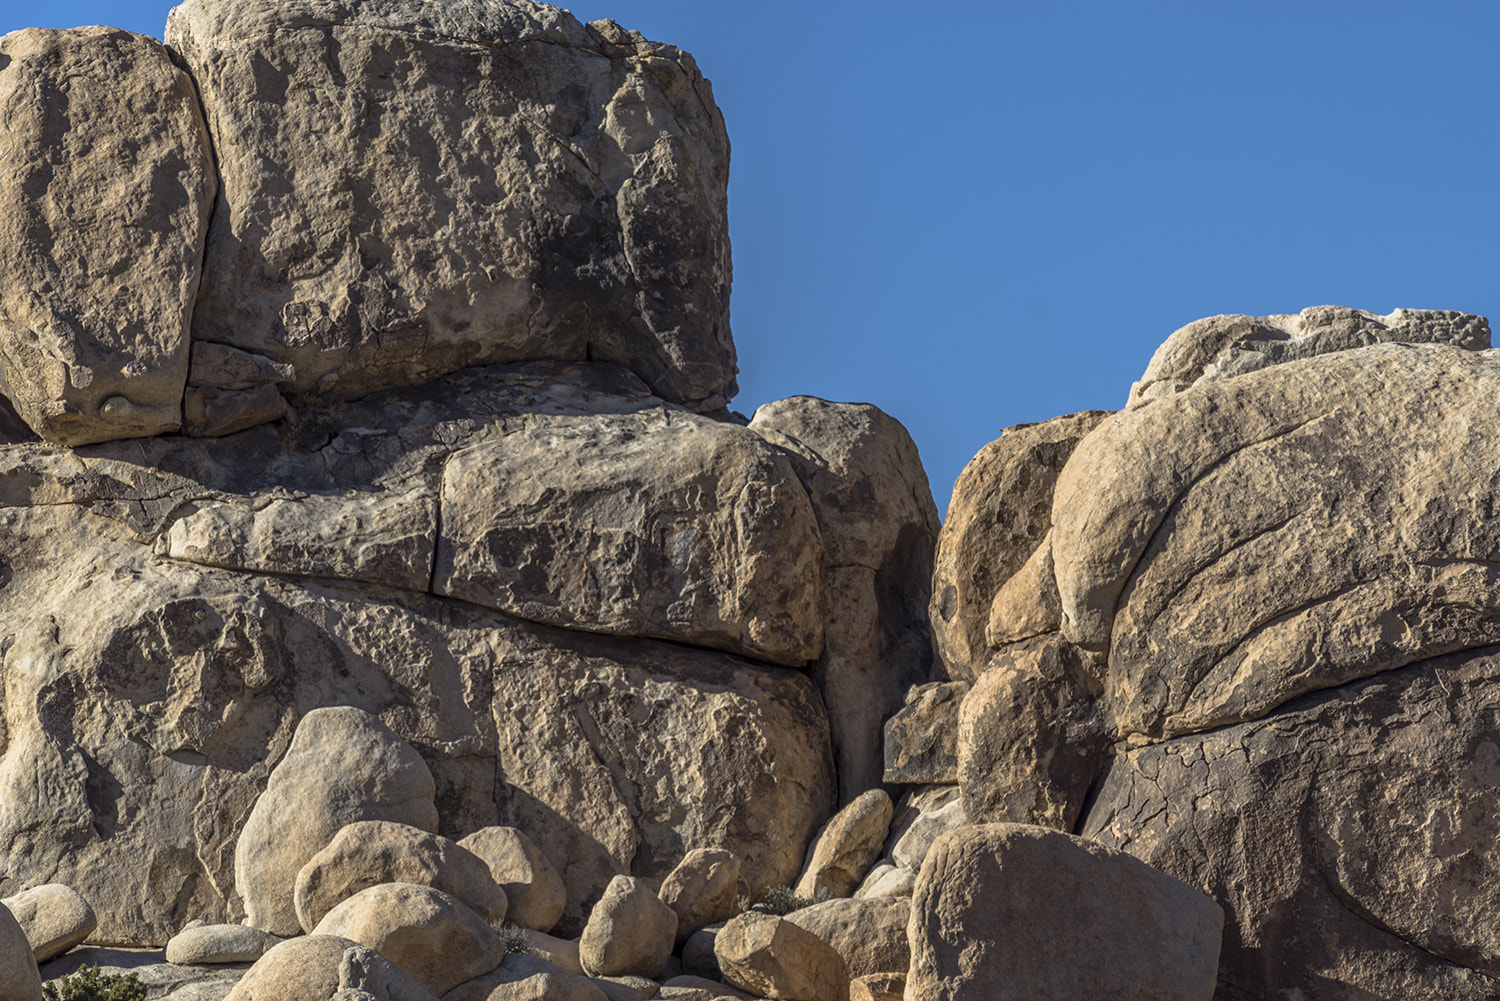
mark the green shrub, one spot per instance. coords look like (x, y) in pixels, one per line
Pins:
(513, 939)
(781, 900)
(88, 984)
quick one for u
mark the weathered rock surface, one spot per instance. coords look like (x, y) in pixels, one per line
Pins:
(878, 525)
(343, 766)
(533, 888)
(869, 934)
(652, 523)
(1011, 912)
(702, 890)
(887, 881)
(300, 969)
(630, 932)
(878, 987)
(1222, 347)
(18, 971)
(149, 698)
(1351, 837)
(921, 740)
(709, 990)
(846, 847)
(926, 813)
(426, 932)
(53, 917)
(560, 952)
(772, 957)
(578, 174)
(526, 978)
(1000, 512)
(370, 852)
(108, 185)
(364, 969)
(1283, 531)
(205, 944)
(1032, 736)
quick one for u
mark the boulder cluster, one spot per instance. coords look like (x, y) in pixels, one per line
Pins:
(392, 608)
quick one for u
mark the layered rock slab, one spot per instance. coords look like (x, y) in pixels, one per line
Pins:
(1350, 838)
(104, 207)
(409, 188)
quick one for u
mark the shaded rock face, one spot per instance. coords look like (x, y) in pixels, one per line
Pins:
(1234, 653)
(108, 185)
(410, 188)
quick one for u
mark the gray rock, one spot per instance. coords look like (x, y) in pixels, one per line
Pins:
(878, 524)
(1011, 912)
(927, 812)
(102, 223)
(630, 932)
(921, 740)
(520, 977)
(343, 766)
(205, 944)
(54, 918)
(698, 957)
(580, 172)
(363, 969)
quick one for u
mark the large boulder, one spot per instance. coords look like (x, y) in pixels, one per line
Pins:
(630, 932)
(343, 766)
(921, 740)
(108, 182)
(426, 932)
(845, 849)
(1000, 512)
(54, 917)
(410, 187)
(702, 890)
(869, 934)
(370, 852)
(878, 525)
(1351, 837)
(1011, 912)
(771, 957)
(521, 977)
(19, 979)
(206, 944)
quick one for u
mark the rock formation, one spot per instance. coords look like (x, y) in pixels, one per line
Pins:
(385, 570)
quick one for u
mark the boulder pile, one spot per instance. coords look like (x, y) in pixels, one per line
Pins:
(392, 608)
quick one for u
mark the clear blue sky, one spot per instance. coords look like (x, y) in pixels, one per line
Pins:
(980, 214)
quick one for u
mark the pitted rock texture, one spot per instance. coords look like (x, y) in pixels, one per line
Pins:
(409, 188)
(104, 203)
(1222, 347)
(1351, 837)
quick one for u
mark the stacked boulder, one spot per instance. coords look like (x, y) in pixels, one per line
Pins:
(1243, 630)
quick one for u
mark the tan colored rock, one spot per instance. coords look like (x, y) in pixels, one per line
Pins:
(887, 881)
(560, 952)
(1011, 911)
(878, 524)
(921, 740)
(869, 934)
(364, 969)
(1222, 347)
(580, 172)
(230, 390)
(878, 987)
(109, 182)
(299, 969)
(1031, 736)
(369, 852)
(343, 766)
(846, 847)
(527, 978)
(656, 523)
(1000, 512)
(626, 988)
(188, 681)
(426, 932)
(54, 918)
(630, 932)
(18, 973)
(533, 888)
(205, 944)
(1197, 531)
(702, 890)
(773, 958)
(926, 813)
(1352, 835)
(384, 538)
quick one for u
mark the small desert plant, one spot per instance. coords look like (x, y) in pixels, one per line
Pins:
(513, 939)
(88, 984)
(781, 900)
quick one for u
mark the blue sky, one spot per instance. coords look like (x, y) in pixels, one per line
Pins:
(980, 214)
